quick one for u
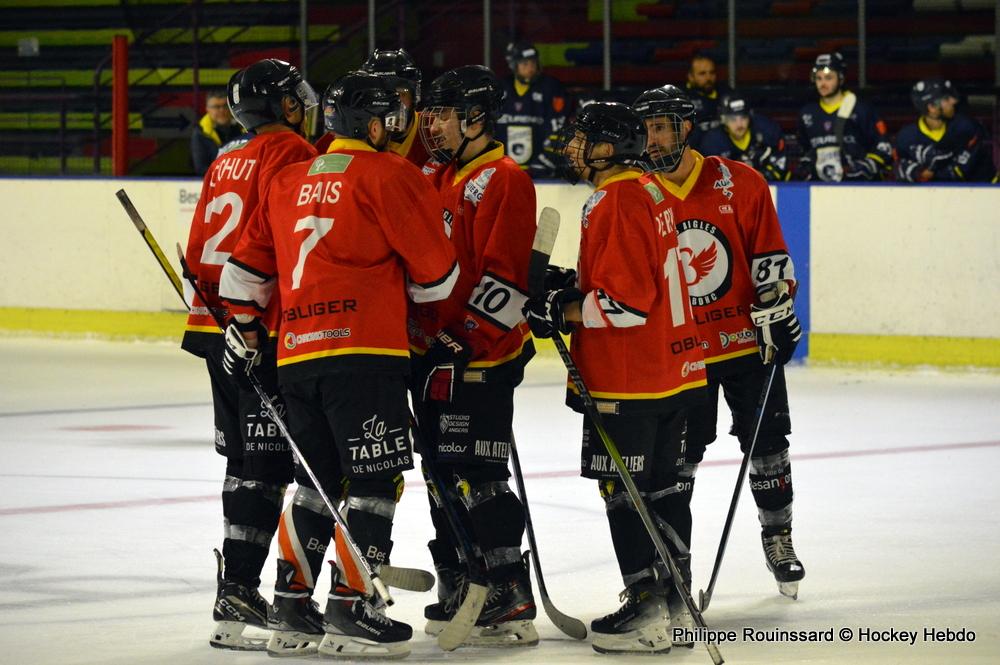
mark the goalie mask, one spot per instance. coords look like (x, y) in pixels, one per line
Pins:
(456, 102)
(665, 111)
(257, 93)
(598, 122)
(354, 99)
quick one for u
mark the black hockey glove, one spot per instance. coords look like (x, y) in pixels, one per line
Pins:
(447, 358)
(546, 313)
(863, 168)
(239, 358)
(778, 329)
(557, 277)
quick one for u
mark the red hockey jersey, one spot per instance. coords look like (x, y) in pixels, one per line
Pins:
(730, 244)
(230, 192)
(638, 347)
(489, 214)
(345, 237)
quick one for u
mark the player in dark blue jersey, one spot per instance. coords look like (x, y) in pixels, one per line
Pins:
(534, 109)
(942, 145)
(705, 93)
(748, 137)
(841, 136)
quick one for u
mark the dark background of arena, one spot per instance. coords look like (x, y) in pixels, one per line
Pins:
(55, 58)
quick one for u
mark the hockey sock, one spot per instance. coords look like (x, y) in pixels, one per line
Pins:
(304, 532)
(633, 547)
(497, 518)
(771, 485)
(251, 510)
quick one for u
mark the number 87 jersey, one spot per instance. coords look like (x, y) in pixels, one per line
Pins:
(731, 246)
(233, 186)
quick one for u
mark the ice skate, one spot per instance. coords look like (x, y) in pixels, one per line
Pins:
(236, 607)
(357, 629)
(680, 616)
(450, 590)
(508, 614)
(782, 561)
(641, 625)
(294, 618)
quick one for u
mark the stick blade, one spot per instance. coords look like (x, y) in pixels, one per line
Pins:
(567, 624)
(541, 249)
(410, 579)
(458, 629)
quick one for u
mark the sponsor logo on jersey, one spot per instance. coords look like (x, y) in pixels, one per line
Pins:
(333, 162)
(292, 340)
(453, 423)
(448, 219)
(374, 429)
(725, 183)
(744, 336)
(452, 448)
(726, 209)
(476, 188)
(706, 259)
(654, 192)
(589, 206)
(688, 367)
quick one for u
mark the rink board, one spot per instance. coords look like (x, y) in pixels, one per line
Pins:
(887, 274)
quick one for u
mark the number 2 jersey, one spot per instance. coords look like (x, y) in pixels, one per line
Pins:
(637, 348)
(345, 238)
(230, 192)
(489, 214)
(730, 244)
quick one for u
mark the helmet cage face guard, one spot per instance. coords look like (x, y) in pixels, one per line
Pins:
(571, 151)
(664, 158)
(437, 122)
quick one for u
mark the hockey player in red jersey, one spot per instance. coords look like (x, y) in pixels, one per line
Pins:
(400, 70)
(471, 349)
(741, 281)
(346, 240)
(270, 99)
(636, 345)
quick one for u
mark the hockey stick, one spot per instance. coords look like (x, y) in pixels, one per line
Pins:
(595, 417)
(705, 597)
(154, 247)
(567, 624)
(461, 625)
(369, 578)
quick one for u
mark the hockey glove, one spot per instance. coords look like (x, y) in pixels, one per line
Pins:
(557, 277)
(546, 314)
(863, 168)
(241, 356)
(778, 329)
(447, 358)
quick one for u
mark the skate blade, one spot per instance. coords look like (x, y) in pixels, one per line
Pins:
(229, 635)
(345, 646)
(649, 640)
(507, 634)
(291, 644)
(790, 589)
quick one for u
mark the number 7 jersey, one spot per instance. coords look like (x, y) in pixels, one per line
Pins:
(730, 245)
(230, 192)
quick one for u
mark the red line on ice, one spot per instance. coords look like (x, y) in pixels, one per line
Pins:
(170, 500)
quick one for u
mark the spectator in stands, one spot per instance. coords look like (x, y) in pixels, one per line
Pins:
(942, 145)
(842, 137)
(705, 93)
(749, 137)
(534, 109)
(215, 130)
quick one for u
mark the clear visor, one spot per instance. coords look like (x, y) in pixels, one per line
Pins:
(397, 120)
(310, 106)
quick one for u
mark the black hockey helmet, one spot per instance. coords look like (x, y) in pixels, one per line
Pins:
(599, 122)
(357, 97)
(931, 92)
(518, 51)
(666, 104)
(256, 92)
(472, 94)
(734, 104)
(397, 67)
(833, 62)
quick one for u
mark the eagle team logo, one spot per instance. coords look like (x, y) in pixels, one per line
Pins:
(706, 259)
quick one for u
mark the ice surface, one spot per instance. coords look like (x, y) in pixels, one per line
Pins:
(110, 511)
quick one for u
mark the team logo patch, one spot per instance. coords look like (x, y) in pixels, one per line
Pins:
(475, 188)
(706, 259)
(589, 206)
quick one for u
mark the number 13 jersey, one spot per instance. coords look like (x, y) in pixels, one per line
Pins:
(730, 245)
